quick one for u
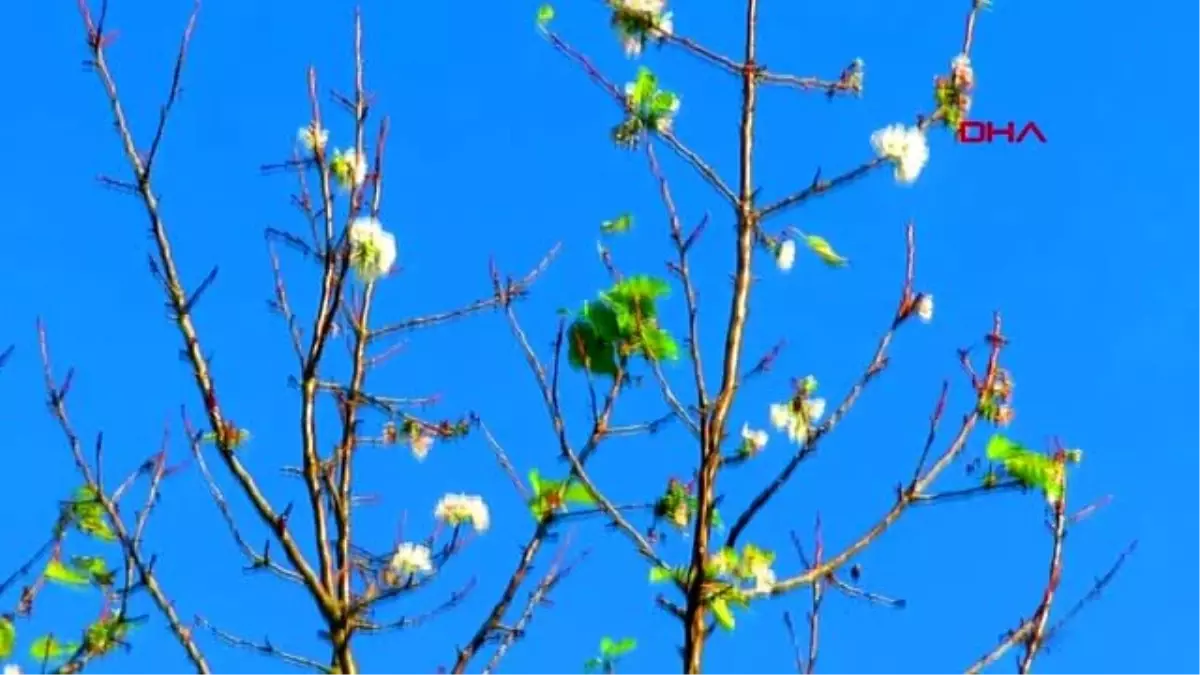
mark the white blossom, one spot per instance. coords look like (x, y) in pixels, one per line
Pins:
(754, 439)
(632, 45)
(313, 137)
(420, 445)
(781, 415)
(456, 509)
(649, 19)
(764, 579)
(664, 27)
(785, 256)
(720, 564)
(12, 669)
(925, 307)
(653, 8)
(906, 147)
(349, 167)
(412, 558)
(372, 249)
(785, 417)
(964, 75)
(814, 409)
(665, 120)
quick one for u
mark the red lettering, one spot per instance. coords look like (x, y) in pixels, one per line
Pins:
(964, 137)
(1031, 127)
(980, 131)
(1007, 131)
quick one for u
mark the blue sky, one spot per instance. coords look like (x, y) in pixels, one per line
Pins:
(500, 148)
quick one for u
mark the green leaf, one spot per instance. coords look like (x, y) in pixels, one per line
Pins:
(619, 225)
(659, 345)
(105, 634)
(644, 87)
(664, 103)
(545, 15)
(606, 645)
(661, 574)
(8, 636)
(535, 481)
(587, 350)
(592, 665)
(638, 289)
(577, 493)
(46, 648)
(603, 319)
(1030, 468)
(722, 613)
(88, 515)
(619, 648)
(95, 567)
(825, 251)
(1001, 448)
(97, 529)
(58, 572)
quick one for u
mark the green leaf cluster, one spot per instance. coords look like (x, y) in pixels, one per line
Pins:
(550, 496)
(659, 575)
(721, 600)
(676, 505)
(647, 101)
(721, 595)
(8, 636)
(621, 323)
(101, 637)
(619, 225)
(98, 639)
(610, 652)
(649, 108)
(47, 648)
(545, 15)
(945, 98)
(83, 570)
(88, 516)
(1029, 467)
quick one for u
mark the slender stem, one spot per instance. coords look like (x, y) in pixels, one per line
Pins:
(714, 426)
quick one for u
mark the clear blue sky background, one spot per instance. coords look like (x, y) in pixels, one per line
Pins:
(500, 147)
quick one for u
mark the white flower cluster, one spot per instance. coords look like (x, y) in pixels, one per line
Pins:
(753, 440)
(457, 509)
(638, 19)
(349, 168)
(372, 249)
(925, 307)
(798, 423)
(906, 147)
(785, 254)
(313, 138)
(764, 577)
(412, 559)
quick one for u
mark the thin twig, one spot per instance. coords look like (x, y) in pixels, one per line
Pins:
(908, 497)
(265, 648)
(876, 366)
